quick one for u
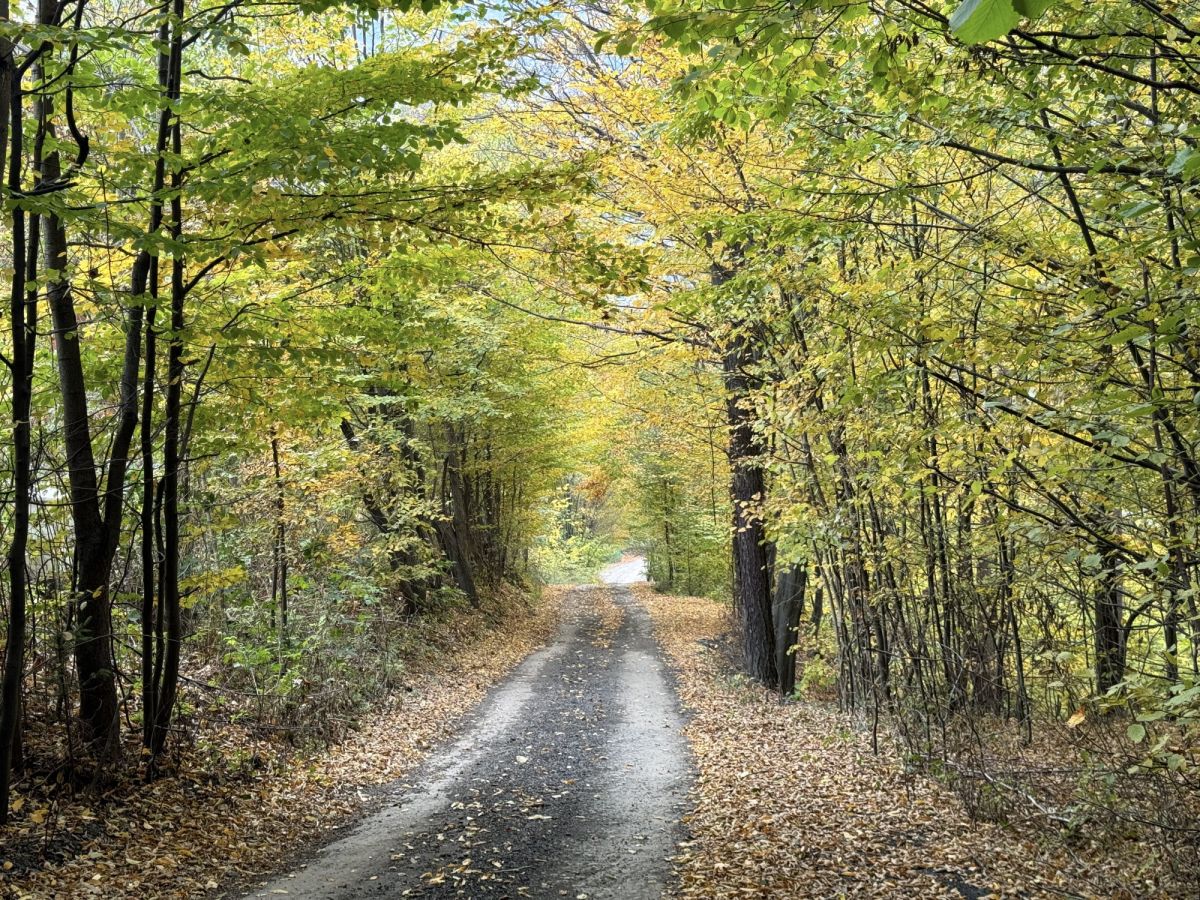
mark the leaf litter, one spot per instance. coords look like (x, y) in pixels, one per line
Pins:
(789, 801)
(202, 832)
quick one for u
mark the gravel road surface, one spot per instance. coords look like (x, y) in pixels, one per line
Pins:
(569, 780)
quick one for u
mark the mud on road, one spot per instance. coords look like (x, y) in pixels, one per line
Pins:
(568, 782)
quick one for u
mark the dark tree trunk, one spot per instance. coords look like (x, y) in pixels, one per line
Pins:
(170, 600)
(279, 571)
(150, 560)
(790, 586)
(96, 517)
(459, 564)
(818, 604)
(145, 278)
(456, 534)
(1110, 635)
(21, 318)
(752, 593)
(94, 542)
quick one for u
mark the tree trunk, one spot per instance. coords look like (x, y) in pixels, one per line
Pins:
(751, 575)
(145, 278)
(149, 556)
(456, 533)
(790, 586)
(279, 572)
(91, 603)
(21, 370)
(459, 564)
(1110, 635)
(96, 517)
(170, 599)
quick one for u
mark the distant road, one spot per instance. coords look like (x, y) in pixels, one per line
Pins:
(629, 570)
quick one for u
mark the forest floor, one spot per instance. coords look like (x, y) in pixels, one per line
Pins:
(789, 801)
(236, 806)
(600, 747)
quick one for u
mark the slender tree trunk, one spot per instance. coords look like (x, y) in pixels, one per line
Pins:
(94, 548)
(21, 370)
(96, 517)
(149, 555)
(1110, 636)
(457, 533)
(279, 576)
(145, 279)
(170, 599)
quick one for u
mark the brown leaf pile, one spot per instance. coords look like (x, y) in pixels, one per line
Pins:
(790, 802)
(209, 828)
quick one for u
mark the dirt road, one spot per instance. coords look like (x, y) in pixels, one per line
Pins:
(629, 570)
(568, 782)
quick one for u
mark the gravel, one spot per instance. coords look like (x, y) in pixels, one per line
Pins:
(569, 781)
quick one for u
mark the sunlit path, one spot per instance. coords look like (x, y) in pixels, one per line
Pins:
(630, 570)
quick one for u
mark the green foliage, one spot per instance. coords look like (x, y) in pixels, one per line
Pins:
(817, 679)
(577, 537)
(341, 357)
(1165, 732)
(978, 21)
(571, 560)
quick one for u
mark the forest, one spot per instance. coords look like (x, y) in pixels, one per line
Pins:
(340, 333)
